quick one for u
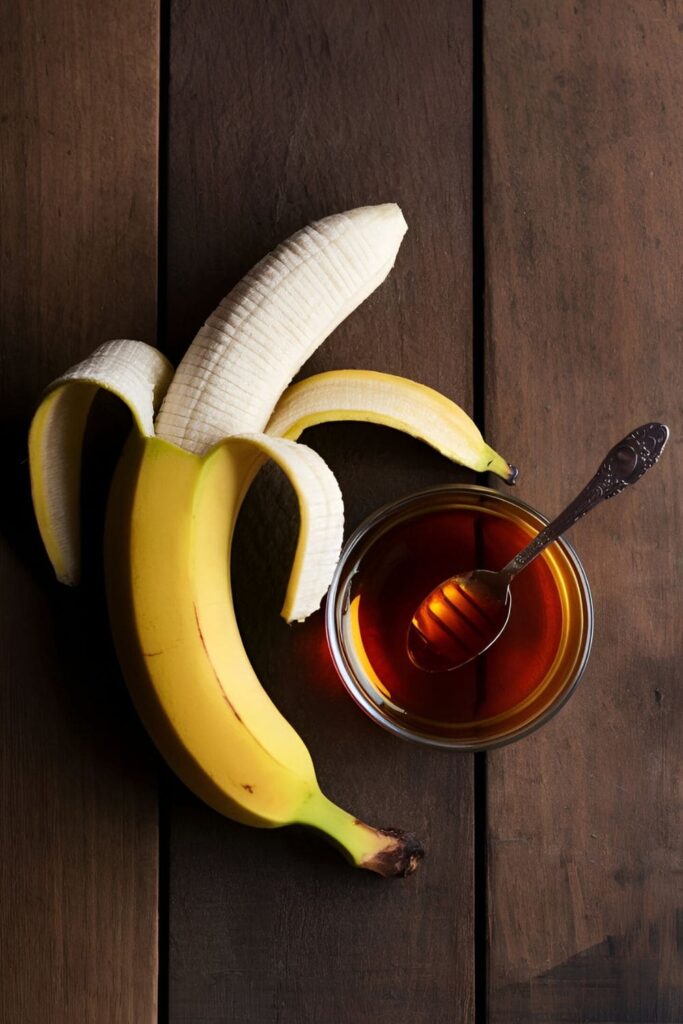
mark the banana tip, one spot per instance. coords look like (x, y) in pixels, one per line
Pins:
(399, 858)
(513, 473)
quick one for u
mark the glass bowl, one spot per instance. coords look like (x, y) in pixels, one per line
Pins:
(397, 555)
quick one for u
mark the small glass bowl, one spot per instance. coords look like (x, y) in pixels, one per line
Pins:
(558, 682)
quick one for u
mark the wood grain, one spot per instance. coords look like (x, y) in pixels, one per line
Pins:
(78, 853)
(280, 114)
(584, 217)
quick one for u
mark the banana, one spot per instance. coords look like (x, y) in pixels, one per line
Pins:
(176, 495)
(189, 675)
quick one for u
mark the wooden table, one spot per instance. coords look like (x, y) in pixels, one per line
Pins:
(149, 157)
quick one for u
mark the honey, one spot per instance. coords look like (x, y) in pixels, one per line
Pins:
(396, 562)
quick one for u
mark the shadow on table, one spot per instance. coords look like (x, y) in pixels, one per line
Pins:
(74, 620)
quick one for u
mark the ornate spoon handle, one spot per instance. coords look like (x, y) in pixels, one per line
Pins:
(624, 464)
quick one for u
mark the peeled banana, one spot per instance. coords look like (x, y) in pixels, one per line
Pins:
(250, 348)
(177, 492)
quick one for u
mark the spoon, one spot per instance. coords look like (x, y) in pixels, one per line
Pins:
(465, 614)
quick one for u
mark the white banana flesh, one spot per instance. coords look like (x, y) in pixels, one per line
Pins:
(250, 348)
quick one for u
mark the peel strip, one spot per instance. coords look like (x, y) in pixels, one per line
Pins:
(391, 401)
(133, 371)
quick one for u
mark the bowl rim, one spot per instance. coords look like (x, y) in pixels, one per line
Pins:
(348, 676)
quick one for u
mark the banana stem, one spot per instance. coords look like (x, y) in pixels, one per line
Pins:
(387, 851)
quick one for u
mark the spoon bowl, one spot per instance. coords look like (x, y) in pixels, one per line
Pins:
(459, 620)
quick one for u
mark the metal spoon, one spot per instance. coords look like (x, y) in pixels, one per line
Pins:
(465, 614)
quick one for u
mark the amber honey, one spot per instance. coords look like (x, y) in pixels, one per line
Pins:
(396, 559)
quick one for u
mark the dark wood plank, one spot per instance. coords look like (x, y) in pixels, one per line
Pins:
(78, 840)
(278, 114)
(584, 216)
